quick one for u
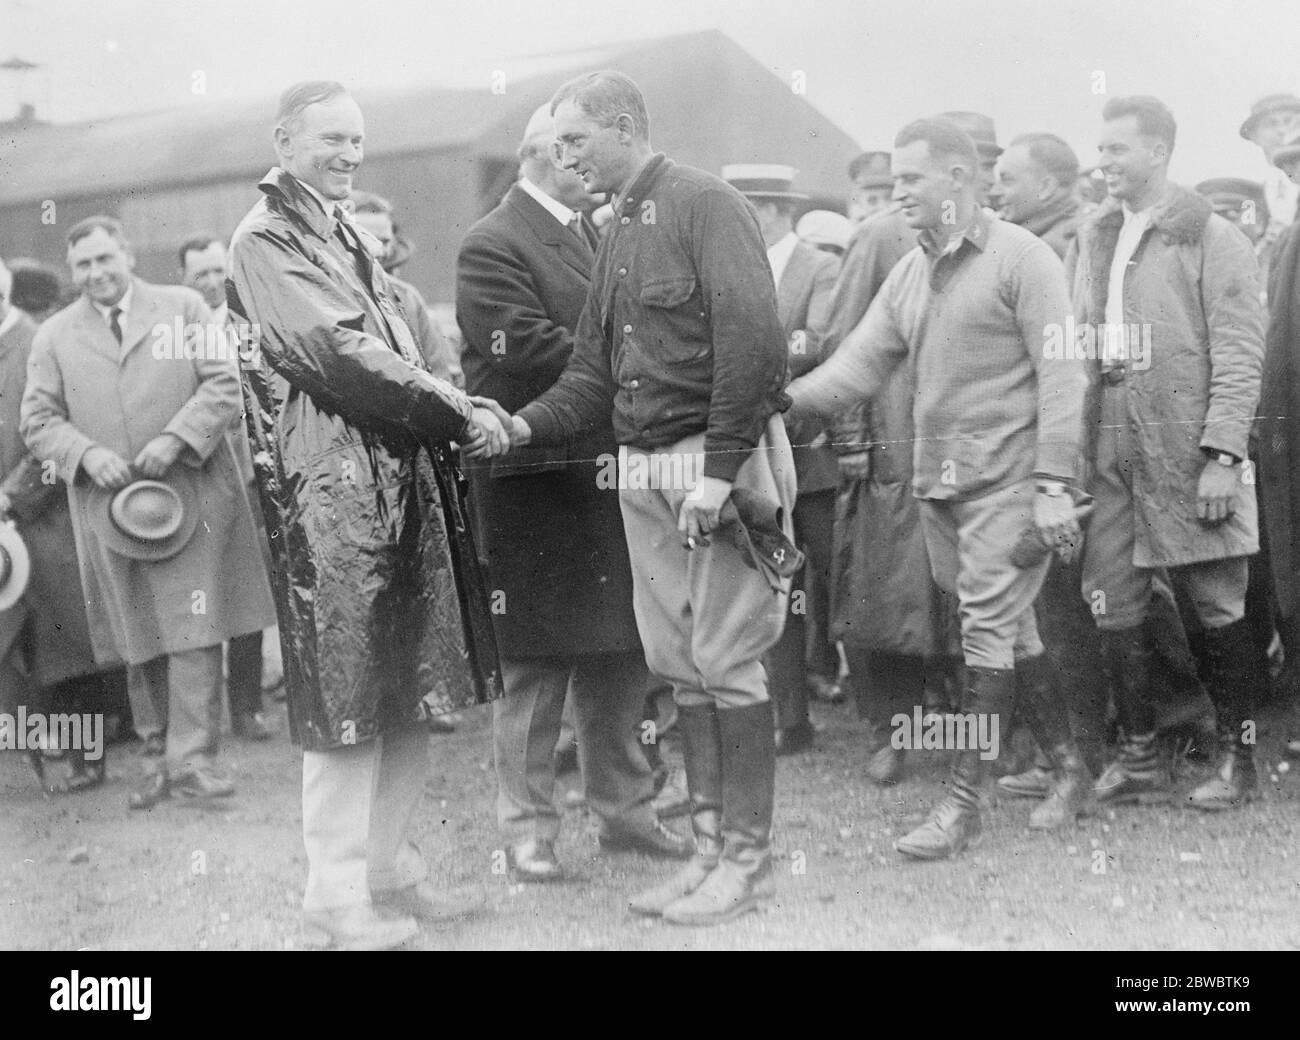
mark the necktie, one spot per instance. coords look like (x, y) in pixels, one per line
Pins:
(115, 324)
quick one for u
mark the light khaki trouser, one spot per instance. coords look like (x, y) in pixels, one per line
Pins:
(705, 617)
(357, 807)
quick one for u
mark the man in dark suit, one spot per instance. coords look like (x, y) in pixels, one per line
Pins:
(805, 282)
(553, 537)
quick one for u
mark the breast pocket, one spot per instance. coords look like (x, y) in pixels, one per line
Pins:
(675, 330)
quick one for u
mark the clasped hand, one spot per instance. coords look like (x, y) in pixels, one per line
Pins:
(492, 430)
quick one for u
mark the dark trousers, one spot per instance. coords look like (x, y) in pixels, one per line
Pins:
(244, 674)
(887, 684)
(805, 643)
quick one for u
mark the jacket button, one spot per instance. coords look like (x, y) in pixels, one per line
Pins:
(622, 271)
(634, 384)
(626, 220)
(627, 329)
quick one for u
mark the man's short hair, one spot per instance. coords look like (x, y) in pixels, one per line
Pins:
(36, 286)
(196, 245)
(368, 202)
(1053, 155)
(1153, 116)
(310, 92)
(945, 139)
(604, 96)
(111, 225)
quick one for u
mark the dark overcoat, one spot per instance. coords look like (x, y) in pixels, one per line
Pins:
(549, 528)
(1279, 423)
(57, 637)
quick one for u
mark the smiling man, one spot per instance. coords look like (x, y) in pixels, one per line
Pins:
(1172, 483)
(998, 431)
(107, 411)
(350, 440)
(680, 335)
(1035, 188)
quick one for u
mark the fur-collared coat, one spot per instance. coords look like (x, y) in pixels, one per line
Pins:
(1192, 291)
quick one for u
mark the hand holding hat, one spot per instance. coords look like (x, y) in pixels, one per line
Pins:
(106, 468)
(156, 457)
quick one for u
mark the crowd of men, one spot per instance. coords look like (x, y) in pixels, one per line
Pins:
(1008, 445)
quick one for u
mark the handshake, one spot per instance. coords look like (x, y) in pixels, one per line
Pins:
(493, 431)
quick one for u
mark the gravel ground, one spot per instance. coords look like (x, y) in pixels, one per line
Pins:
(83, 872)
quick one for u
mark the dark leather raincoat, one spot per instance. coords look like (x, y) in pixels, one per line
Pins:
(376, 580)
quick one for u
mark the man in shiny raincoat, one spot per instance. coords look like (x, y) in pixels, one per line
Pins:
(376, 582)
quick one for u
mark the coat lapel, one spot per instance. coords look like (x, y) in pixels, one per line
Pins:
(549, 231)
(92, 331)
(146, 312)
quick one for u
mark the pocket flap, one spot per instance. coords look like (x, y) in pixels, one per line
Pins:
(668, 292)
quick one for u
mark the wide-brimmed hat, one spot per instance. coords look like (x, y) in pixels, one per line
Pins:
(147, 519)
(760, 536)
(981, 130)
(763, 181)
(1267, 106)
(15, 565)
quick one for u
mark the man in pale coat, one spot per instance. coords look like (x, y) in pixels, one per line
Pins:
(110, 398)
(1174, 290)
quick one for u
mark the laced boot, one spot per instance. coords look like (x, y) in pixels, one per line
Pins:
(1139, 773)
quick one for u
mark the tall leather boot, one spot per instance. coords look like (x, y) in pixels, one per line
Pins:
(1230, 682)
(1042, 699)
(1139, 773)
(955, 823)
(742, 878)
(702, 751)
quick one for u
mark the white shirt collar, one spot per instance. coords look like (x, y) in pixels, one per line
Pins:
(123, 305)
(779, 253)
(327, 207)
(555, 208)
(11, 319)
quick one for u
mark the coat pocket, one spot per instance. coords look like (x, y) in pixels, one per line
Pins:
(673, 319)
(668, 292)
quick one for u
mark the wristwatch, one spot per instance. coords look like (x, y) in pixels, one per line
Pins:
(1051, 488)
(1223, 458)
